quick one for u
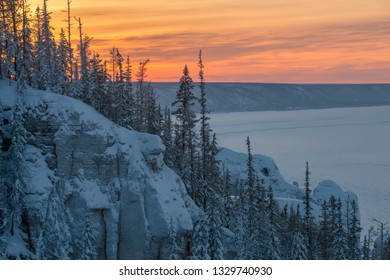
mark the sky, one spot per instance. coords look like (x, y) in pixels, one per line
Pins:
(278, 41)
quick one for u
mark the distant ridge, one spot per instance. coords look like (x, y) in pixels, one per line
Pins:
(240, 97)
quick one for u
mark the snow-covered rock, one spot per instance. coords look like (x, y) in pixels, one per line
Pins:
(284, 192)
(116, 175)
(265, 168)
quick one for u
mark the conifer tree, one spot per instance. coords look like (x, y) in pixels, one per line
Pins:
(166, 137)
(84, 52)
(324, 233)
(272, 212)
(46, 51)
(339, 243)
(140, 99)
(12, 228)
(353, 233)
(25, 50)
(69, 44)
(54, 242)
(174, 248)
(308, 216)
(200, 239)
(365, 249)
(215, 228)
(3, 39)
(298, 249)
(185, 136)
(241, 241)
(228, 204)
(88, 248)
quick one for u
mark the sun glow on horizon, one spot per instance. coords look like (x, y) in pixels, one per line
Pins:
(301, 41)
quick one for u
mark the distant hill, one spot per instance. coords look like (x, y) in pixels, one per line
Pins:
(239, 97)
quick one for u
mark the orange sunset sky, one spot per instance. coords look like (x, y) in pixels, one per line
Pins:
(282, 41)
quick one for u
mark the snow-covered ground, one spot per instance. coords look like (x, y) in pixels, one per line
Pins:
(348, 145)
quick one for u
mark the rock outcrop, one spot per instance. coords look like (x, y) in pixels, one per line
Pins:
(116, 176)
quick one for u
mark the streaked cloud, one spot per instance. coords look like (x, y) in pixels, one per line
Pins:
(247, 40)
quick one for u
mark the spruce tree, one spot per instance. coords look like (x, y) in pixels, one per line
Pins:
(166, 137)
(272, 213)
(87, 246)
(353, 233)
(140, 99)
(54, 242)
(308, 216)
(174, 248)
(25, 50)
(339, 243)
(200, 239)
(185, 135)
(365, 249)
(215, 228)
(13, 228)
(228, 203)
(298, 249)
(324, 233)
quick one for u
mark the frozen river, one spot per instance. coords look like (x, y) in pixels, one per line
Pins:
(350, 146)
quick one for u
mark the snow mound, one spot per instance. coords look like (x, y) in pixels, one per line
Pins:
(284, 192)
(265, 168)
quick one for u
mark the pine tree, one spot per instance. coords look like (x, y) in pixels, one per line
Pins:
(166, 137)
(9, 39)
(353, 233)
(272, 213)
(174, 249)
(47, 52)
(69, 44)
(308, 216)
(228, 203)
(3, 39)
(241, 242)
(26, 50)
(365, 249)
(63, 66)
(215, 228)
(153, 116)
(205, 137)
(298, 249)
(13, 228)
(185, 136)
(54, 242)
(88, 247)
(97, 90)
(84, 52)
(200, 239)
(339, 243)
(325, 233)
(140, 99)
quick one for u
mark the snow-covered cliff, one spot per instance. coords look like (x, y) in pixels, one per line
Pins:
(116, 176)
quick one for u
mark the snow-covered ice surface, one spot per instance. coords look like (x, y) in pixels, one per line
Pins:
(350, 146)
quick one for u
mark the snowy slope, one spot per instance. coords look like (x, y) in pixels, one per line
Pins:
(241, 97)
(116, 175)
